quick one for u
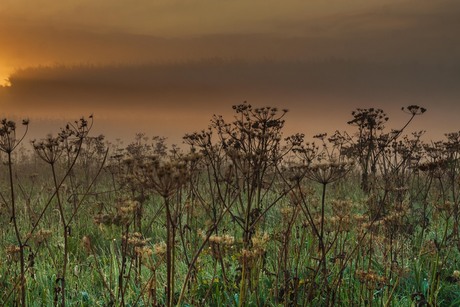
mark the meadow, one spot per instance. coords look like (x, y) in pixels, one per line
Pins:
(241, 215)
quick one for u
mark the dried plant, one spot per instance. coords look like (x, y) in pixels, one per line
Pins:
(239, 216)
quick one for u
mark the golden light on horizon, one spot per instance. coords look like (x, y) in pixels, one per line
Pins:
(4, 77)
(4, 82)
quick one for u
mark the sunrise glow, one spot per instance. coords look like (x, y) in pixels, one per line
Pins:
(5, 83)
(4, 78)
(174, 58)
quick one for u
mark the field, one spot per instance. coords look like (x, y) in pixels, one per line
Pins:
(242, 215)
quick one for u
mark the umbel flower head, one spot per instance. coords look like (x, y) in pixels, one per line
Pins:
(49, 149)
(414, 110)
(327, 172)
(8, 139)
(163, 176)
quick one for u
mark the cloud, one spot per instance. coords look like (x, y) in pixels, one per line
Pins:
(176, 17)
(99, 33)
(174, 85)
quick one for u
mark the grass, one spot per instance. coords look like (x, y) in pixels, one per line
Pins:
(242, 217)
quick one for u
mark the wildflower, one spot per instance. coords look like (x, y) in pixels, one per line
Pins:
(136, 239)
(223, 240)
(159, 249)
(456, 275)
(49, 149)
(124, 215)
(145, 252)
(414, 110)
(8, 139)
(259, 241)
(328, 172)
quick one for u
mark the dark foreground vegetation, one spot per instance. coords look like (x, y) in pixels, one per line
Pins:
(244, 216)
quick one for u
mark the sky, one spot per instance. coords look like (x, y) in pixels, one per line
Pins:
(164, 67)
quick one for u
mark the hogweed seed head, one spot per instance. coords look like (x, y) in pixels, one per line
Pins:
(159, 249)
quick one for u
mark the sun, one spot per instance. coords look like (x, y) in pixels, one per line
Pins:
(4, 81)
(5, 73)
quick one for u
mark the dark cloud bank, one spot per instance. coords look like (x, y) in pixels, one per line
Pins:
(213, 78)
(175, 98)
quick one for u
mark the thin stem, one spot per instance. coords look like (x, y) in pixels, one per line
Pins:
(65, 234)
(17, 232)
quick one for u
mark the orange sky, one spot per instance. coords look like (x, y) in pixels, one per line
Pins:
(166, 66)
